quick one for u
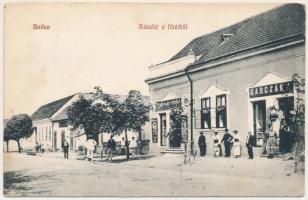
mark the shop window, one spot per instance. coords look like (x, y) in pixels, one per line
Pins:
(221, 111)
(206, 113)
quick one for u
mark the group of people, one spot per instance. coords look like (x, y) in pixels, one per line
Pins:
(279, 137)
(133, 146)
(40, 147)
(111, 147)
(229, 141)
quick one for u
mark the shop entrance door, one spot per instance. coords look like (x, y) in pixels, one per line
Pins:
(177, 124)
(286, 104)
(163, 129)
(259, 121)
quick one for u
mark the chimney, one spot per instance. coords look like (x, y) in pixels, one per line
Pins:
(191, 53)
(225, 37)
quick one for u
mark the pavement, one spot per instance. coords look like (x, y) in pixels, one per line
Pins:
(163, 175)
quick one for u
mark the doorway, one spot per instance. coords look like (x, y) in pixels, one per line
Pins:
(259, 121)
(286, 132)
(55, 139)
(163, 129)
(175, 137)
(62, 138)
(286, 104)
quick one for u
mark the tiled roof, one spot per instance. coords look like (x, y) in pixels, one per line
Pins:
(46, 111)
(266, 28)
(63, 114)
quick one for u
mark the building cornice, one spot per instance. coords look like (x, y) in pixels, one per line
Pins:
(230, 58)
(42, 120)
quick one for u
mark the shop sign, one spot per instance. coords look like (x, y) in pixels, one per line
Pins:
(272, 89)
(169, 104)
(154, 126)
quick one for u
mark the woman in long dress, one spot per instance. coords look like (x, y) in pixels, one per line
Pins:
(272, 146)
(216, 144)
(236, 145)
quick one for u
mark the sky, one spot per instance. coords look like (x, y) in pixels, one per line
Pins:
(98, 44)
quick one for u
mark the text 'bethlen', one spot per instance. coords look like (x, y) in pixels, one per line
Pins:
(41, 27)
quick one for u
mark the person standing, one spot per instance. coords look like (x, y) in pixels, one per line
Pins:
(123, 147)
(272, 146)
(110, 147)
(65, 149)
(227, 139)
(202, 144)
(37, 147)
(236, 145)
(216, 144)
(167, 138)
(90, 147)
(133, 146)
(250, 141)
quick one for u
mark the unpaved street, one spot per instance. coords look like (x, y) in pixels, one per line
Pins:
(158, 176)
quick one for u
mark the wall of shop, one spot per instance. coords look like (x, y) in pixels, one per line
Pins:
(236, 77)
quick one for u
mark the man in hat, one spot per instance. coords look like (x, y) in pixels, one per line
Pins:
(202, 144)
(227, 139)
(111, 145)
(250, 141)
(216, 144)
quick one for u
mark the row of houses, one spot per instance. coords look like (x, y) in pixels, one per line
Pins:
(51, 127)
(226, 79)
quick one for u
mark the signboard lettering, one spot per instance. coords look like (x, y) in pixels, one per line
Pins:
(272, 89)
(169, 104)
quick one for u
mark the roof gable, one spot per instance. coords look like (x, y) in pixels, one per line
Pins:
(46, 111)
(270, 78)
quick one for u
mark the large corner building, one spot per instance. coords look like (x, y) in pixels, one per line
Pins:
(231, 76)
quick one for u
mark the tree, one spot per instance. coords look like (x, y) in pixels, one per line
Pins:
(106, 113)
(90, 115)
(6, 138)
(299, 122)
(19, 126)
(132, 113)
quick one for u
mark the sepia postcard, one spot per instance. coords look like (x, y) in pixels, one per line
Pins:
(153, 99)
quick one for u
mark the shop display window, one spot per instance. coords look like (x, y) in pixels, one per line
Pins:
(206, 113)
(221, 111)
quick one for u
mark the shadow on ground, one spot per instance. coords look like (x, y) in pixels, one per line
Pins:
(126, 160)
(12, 181)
